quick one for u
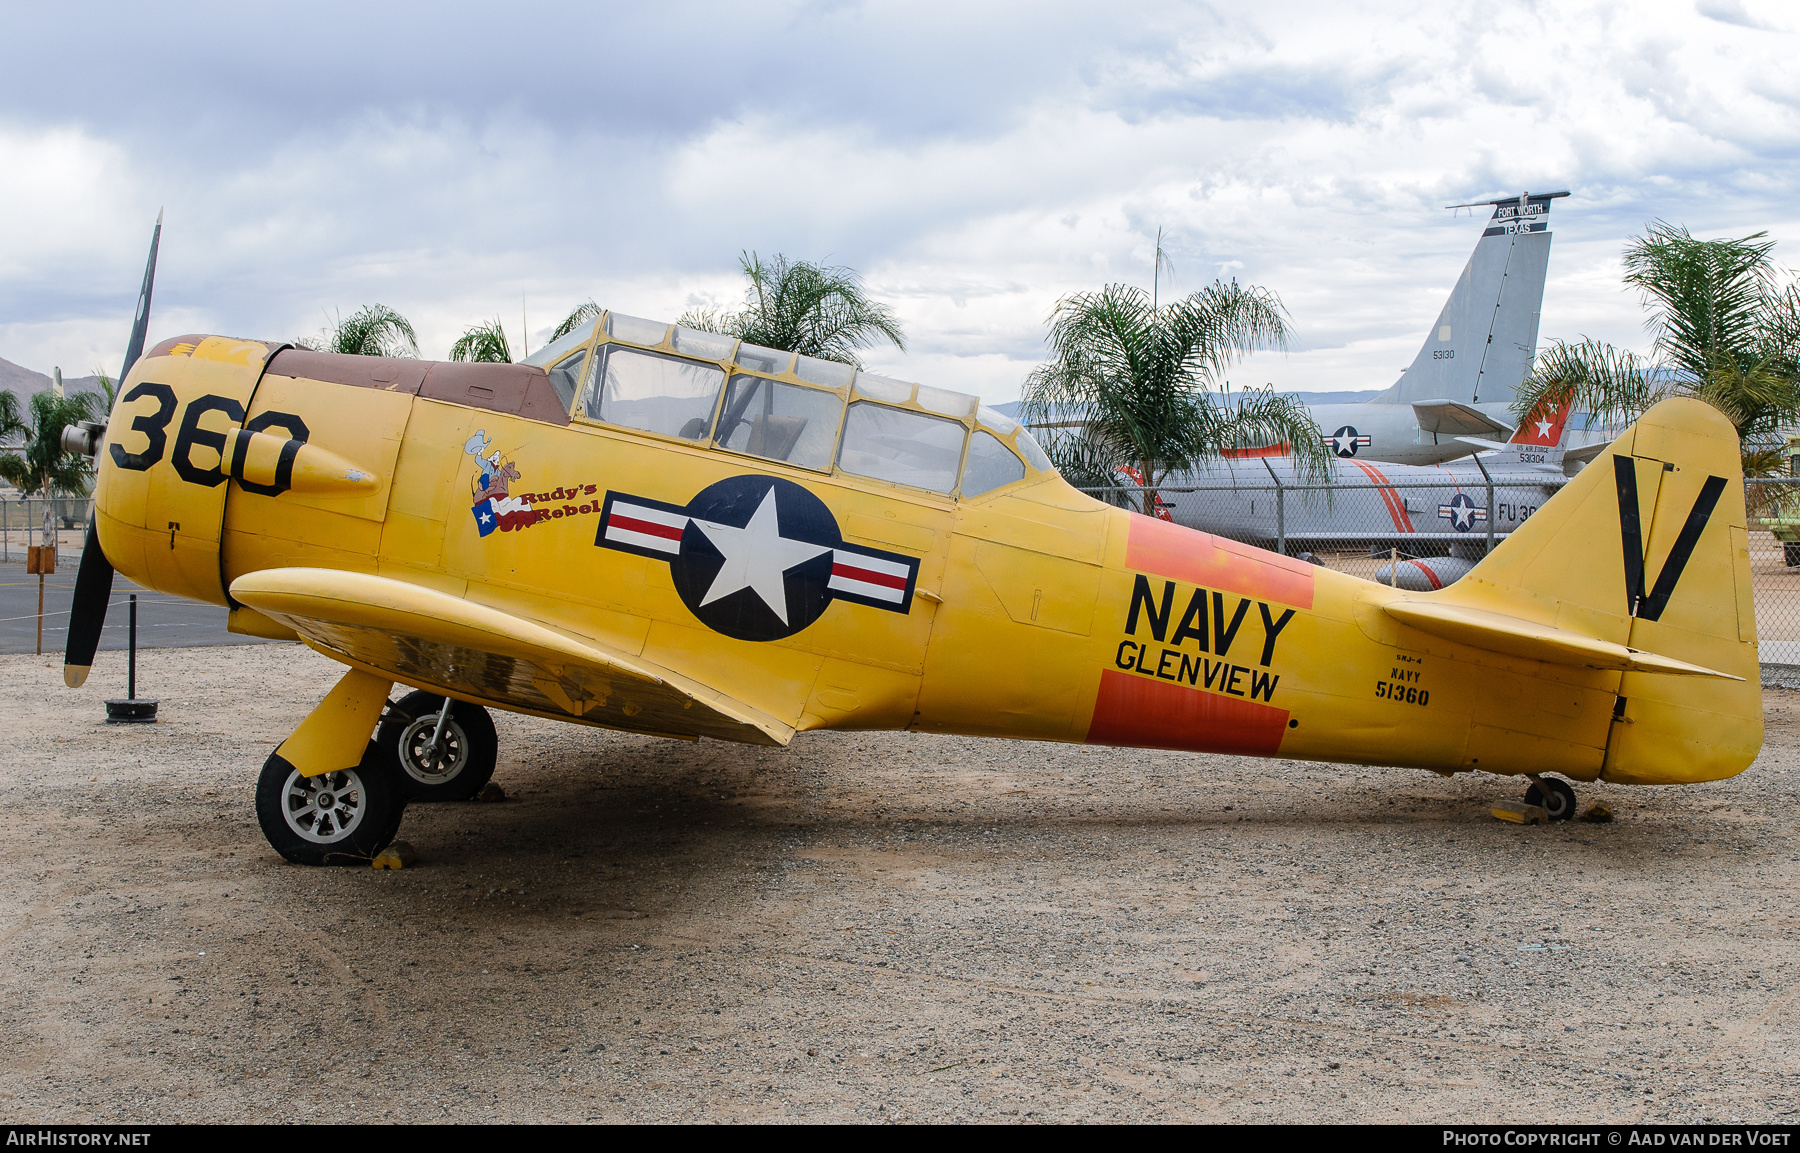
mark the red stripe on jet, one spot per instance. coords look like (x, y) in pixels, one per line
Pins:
(1429, 575)
(647, 527)
(868, 576)
(1169, 550)
(1395, 505)
(1140, 712)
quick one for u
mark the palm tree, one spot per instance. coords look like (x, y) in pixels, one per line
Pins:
(1134, 380)
(42, 468)
(484, 342)
(798, 306)
(1724, 332)
(372, 330)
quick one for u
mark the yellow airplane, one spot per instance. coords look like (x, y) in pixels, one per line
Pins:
(664, 531)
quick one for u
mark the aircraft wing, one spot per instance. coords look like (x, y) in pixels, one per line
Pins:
(423, 637)
(1454, 419)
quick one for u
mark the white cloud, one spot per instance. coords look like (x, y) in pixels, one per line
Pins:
(974, 165)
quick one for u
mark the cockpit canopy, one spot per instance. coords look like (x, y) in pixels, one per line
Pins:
(761, 402)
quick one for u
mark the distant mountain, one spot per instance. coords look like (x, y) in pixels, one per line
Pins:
(22, 382)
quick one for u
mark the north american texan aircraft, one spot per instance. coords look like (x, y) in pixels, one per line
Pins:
(657, 530)
(1463, 381)
(1436, 515)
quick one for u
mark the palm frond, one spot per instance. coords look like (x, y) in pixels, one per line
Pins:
(1611, 384)
(711, 320)
(1710, 295)
(583, 312)
(373, 330)
(12, 423)
(813, 309)
(483, 343)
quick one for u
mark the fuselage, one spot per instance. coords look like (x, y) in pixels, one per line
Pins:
(1381, 431)
(1430, 507)
(1026, 611)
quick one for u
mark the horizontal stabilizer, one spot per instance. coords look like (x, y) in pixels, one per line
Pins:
(423, 637)
(1510, 636)
(1451, 418)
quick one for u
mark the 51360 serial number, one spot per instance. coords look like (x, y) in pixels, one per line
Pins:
(1404, 694)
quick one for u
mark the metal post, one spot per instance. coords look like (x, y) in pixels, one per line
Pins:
(131, 661)
(40, 641)
(1490, 510)
(1280, 510)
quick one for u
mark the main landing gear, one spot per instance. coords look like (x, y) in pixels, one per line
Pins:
(334, 818)
(1555, 795)
(329, 795)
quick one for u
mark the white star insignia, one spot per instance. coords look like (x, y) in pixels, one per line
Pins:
(757, 557)
(1543, 428)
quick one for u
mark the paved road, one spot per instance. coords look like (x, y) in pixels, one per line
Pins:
(163, 621)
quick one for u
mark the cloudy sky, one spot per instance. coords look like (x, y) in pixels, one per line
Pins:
(974, 161)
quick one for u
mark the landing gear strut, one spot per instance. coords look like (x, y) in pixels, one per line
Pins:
(1555, 795)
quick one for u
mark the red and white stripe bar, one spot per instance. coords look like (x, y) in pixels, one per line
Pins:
(867, 576)
(640, 527)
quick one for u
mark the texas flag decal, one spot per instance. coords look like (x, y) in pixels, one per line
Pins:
(757, 557)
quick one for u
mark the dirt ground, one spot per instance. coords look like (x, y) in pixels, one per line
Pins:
(871, 927)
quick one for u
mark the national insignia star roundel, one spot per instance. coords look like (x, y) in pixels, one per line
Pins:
(757, 558)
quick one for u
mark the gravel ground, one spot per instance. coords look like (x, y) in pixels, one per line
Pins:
(872, 927)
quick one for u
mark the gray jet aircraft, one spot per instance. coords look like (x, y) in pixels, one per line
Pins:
(1435, 515)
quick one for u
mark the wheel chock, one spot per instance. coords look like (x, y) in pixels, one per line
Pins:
(1520, 813)
(396, 856)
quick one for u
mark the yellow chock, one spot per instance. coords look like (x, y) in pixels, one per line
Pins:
(396, 856)
(1520, 813)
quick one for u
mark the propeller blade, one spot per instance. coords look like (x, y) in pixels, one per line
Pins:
(87, 613)
(94, 579)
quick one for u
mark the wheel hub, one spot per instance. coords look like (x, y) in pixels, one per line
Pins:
(324, 809)
(416, 756)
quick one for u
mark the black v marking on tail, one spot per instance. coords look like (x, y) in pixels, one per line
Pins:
(1652, 606)
(1631, 532)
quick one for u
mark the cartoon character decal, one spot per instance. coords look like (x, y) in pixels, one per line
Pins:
(496, 506)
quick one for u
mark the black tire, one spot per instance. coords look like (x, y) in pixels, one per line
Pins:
(1790, 553)
(405, 732)
(359, 817)
(1561, 802)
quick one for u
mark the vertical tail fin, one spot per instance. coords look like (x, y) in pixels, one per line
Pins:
(1669, 494)
(1485, 337)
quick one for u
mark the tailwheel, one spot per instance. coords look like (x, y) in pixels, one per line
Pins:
(442, 757)
(1557, 797)
(337, 818)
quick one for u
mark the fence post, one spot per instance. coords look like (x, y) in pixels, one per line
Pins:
(1280, 510)
(1490, 508)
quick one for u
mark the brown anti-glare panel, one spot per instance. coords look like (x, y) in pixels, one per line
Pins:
(521, 389)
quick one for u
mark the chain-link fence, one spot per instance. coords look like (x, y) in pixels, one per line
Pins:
(22, 525)
(1422, 535)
